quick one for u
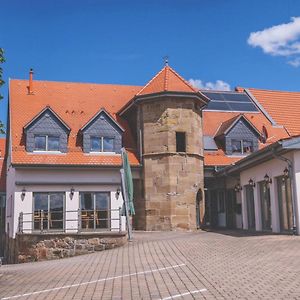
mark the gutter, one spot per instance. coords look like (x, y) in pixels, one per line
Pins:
(293, 184)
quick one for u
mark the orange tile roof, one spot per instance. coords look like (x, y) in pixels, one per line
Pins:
(212, 121)
(283, 107)
(167, 80)
(76, 104)
(2, 165)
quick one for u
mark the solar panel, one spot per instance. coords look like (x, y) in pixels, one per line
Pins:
(209, 143)
(229, 101)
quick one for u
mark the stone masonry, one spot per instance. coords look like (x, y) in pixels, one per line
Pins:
(171, 179)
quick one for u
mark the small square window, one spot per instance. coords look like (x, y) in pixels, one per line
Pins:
(96, 144)
(40, 143)
(108, 144)
(53, 143)
(180, 142)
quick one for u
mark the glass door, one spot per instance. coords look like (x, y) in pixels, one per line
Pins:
(95, 208)
(265, 201)
(250, 207)
(48, 211)
(285, 203)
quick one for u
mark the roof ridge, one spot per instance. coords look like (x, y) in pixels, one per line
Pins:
(166, 78)
(270, 90)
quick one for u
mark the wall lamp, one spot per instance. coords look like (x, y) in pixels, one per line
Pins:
(251, 182)
(267, 179)
(23, 194)
(118, 193)
(286, 174)
(238, 188)
(72, 191)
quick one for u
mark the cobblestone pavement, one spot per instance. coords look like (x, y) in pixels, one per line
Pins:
(167, 265)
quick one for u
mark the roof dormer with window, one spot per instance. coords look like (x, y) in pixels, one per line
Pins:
(47, 132)
(102, 135)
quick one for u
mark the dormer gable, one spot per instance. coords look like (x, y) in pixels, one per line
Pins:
(46, 128)
(102, 134)
(238, 136)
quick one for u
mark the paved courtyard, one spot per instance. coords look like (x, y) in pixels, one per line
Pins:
(201, 265)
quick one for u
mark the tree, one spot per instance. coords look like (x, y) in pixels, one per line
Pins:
(2, 60)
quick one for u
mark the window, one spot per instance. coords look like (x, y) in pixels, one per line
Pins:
(48, 211)
(180, 142)
(221, 202)
(265, 202)
(102, 144)
(241, 146)
(46, 143)
(95, 210)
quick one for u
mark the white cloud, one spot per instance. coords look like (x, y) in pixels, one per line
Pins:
(281, 39)
(218, 85)
(295, 62)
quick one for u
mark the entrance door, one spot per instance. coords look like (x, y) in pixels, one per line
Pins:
(230, 209)
(250, 207)
(199, 203)
(285, 203)
(265, 201)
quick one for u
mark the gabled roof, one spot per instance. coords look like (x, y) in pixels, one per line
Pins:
(47, 108)
(227, 125)
(102, 110)
(167, 80)
(282, 106)
(75, 104)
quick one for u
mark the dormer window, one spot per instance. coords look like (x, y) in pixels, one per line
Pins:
(241, 146)
(46, 143)
(102, 144)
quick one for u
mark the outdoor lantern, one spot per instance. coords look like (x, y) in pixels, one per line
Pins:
(251, 182)
(23, 194)
(72, 193)
(286, 173)
(267, 179)
(118, 193)
(237, 188)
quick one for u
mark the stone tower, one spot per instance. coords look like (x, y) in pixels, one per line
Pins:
(168, 117)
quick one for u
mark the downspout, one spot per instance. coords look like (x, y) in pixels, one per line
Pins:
(293, 183)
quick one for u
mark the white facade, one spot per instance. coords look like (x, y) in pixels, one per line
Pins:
(23, 182)
(273, 168)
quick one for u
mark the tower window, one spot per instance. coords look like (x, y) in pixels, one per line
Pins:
(180, 142)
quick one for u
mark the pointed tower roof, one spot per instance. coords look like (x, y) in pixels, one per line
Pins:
(166, 80)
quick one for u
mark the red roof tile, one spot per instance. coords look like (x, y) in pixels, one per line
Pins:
(76, 104)
(2, 166)
(166, 80)
(283, 107)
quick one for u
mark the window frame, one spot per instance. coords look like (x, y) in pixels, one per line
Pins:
(178, 136)
(242, 141)
(101, 138)
(46, 142)
(48, 229)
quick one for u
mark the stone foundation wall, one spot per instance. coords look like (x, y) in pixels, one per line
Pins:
(38, 247)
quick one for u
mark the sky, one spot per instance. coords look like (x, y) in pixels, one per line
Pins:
(216, 44)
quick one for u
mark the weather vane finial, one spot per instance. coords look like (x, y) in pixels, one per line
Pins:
(166, 60)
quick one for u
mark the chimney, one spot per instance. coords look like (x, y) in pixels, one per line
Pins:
(30, 86)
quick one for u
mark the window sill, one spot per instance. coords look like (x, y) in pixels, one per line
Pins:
(102, 153)
(46, 152)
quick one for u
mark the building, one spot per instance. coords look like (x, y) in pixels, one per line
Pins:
(2, 193)
(64, 144)
(185, 146)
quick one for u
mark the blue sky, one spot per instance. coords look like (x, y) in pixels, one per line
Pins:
(125, 41)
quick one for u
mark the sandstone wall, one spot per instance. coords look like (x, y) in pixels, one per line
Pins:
(171, 180)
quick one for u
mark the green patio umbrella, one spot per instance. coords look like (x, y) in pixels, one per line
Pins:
(128, 181)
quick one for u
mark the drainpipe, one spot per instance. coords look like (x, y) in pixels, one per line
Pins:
(293, 183)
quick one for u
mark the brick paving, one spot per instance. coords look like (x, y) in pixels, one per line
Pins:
(167, 265)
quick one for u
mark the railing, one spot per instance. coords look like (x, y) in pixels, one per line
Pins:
(70, 221)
